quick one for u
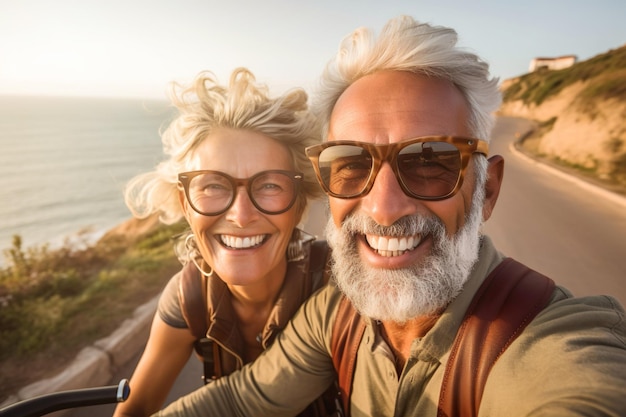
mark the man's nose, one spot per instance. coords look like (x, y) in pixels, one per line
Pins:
(386, 202)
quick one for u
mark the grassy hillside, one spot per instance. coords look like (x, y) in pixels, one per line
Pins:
(604, 77)
(581, 114)
(53, 303)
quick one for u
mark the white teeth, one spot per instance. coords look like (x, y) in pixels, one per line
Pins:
(241, 243)
(392, 246)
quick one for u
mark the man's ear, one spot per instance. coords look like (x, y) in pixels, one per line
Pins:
(495, 172)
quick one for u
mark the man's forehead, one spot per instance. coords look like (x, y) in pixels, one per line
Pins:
(395, 105)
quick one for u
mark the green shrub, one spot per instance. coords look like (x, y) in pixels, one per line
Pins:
(54, 302)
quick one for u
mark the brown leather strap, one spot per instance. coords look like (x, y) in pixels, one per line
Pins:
(192, 298)
(511, 296)
(192, 292)
(346, 338)
(318, 264)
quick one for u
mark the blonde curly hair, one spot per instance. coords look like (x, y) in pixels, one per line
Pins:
(205, 106)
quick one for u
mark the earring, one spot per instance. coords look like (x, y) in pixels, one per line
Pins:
(193, 254)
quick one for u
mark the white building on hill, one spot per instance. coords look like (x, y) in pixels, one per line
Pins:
(552, 63)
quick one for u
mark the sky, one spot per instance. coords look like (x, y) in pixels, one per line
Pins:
(135, 48)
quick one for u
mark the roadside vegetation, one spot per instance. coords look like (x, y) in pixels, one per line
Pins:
(600, 102)
(54, 302)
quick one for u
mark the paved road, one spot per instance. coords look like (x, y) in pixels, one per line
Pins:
(558, 226)
(553, 224)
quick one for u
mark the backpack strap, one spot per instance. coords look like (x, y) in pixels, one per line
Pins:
(192, 288)
(511, 296)
(192, 293)
(347, 333)
(318, 264)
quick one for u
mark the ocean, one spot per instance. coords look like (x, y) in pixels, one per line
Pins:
(64, 163)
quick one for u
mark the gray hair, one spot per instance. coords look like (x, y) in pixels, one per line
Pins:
(407, 45)
(205, 106)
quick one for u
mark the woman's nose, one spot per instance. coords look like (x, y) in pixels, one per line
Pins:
(242, 211)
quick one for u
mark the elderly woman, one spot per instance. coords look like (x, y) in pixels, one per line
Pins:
(238, 174)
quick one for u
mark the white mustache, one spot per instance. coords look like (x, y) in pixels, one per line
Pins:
(415, 227)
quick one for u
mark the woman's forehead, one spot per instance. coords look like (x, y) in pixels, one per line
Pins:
(240, 153)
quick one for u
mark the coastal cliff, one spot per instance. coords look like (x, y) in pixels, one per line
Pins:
(580, 114)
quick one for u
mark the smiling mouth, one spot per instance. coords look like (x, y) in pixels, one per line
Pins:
(238, 242)
(393, 246)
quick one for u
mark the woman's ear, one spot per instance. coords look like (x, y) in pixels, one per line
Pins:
(495, 173)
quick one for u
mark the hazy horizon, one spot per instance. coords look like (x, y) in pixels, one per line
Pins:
(136, 49)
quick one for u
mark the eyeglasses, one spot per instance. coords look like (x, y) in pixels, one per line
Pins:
(427, 168)
(211, 193)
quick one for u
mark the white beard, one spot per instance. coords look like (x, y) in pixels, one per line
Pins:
(399, 295)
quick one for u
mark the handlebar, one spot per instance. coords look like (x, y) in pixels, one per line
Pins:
(48, 403)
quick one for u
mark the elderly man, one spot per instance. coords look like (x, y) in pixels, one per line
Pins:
(407, 117)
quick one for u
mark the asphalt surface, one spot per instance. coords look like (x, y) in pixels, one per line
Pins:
(558, 224)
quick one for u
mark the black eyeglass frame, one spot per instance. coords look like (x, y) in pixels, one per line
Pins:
(389, 152)
(184, 179)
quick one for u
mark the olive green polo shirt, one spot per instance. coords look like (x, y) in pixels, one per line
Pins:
(570, 360)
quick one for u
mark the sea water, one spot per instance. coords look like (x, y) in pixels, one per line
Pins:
(64, 163)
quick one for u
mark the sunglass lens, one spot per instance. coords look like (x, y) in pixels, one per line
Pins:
(429, 169)
(345, 169)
